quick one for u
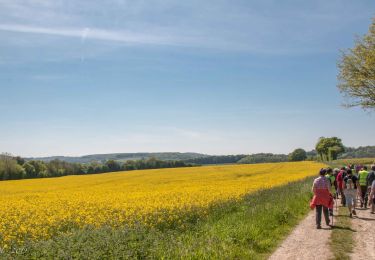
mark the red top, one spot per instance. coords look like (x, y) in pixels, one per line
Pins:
(340, 179)
(322, 197)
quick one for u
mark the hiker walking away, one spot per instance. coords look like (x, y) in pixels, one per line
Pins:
(362, 179)
(354, 179)
(331, 178)
(371, 177)
(335, 173)
(371, 189)
(322, 199)
(357, 168)
(340, 184)
(372, 198)
(350, 194)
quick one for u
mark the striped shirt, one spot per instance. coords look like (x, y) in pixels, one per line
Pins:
(321, 183)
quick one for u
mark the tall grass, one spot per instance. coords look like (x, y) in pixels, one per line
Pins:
(250, 228)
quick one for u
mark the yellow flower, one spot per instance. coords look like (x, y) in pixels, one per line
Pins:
(41, 208)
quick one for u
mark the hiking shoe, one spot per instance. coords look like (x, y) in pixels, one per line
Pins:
(354, 213)
(319, 227)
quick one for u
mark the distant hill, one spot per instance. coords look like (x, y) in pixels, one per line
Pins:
(121, 157)
(198, 158)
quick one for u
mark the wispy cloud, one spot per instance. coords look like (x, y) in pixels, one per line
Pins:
(94, 33)
(266, 27)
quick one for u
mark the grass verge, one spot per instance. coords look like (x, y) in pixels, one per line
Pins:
(342, 242)
(247, 229)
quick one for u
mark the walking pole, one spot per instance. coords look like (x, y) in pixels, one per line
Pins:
(332, 213)
(336, 208)
(335, 201)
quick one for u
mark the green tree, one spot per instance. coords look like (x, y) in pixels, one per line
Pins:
(297, 155)
(329, 148)
(30, 170)
(129, 165)
(20, 160)
(113, 165)
(10, 169)
(95, 167)
(40, 168)
(357, 72)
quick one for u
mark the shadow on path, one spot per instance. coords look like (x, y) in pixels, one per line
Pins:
(344, 228)
(367, 219)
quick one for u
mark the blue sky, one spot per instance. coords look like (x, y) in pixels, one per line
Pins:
(216, 77)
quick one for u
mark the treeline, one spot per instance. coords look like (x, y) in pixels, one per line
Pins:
(217, 159)
(360, 152)
(13, 168)
(297, 155)
(264, 158)
(241, 158)
(102, 158)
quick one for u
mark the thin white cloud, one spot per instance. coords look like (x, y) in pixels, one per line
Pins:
(84, 34)
(94, 33)
(143, 38)
(266, 27)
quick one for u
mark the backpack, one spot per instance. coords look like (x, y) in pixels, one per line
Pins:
(370, 178)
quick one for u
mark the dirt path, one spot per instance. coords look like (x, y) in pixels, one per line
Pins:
(304, 240)
(364, 247)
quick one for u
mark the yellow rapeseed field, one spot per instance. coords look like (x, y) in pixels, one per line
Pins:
(41, 208)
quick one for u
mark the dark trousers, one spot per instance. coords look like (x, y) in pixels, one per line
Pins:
(318, 216)
(364, 196)
(343, 200)
(341, 192)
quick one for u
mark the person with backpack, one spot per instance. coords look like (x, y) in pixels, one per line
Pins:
(354, 179)
(322, 199)
(371, 176)
(340, 184)
(370, 181)
(350, 195)
(362, 179)
(331, 178)
(357, 169)
(371, 202)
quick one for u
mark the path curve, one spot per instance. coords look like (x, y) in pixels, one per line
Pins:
(305, 242)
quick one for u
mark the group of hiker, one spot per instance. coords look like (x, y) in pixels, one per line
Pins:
(351, 183)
